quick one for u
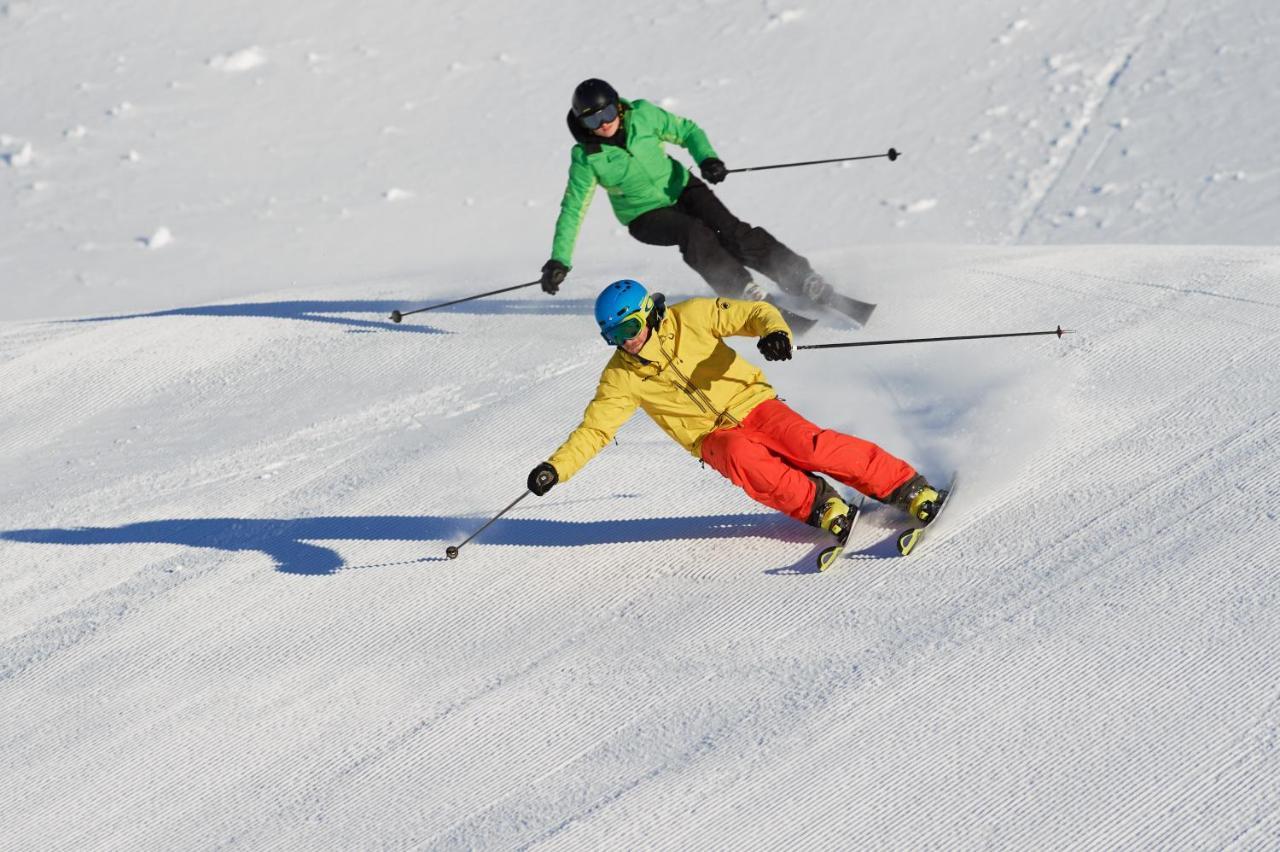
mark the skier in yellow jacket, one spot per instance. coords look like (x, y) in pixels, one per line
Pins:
(673, 363)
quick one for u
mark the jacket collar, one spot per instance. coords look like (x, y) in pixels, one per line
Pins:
(651, 352)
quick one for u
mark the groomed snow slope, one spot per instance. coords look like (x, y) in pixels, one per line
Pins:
(228, 619)
(227, 482)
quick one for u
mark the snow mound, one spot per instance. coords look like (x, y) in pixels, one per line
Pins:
(245, 59)
(159, 239)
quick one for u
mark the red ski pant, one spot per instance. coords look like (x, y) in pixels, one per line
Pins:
(767, 456)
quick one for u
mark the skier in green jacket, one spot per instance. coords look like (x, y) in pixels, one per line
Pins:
(620, 147)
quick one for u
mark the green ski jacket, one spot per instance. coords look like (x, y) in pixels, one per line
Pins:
(639, 178)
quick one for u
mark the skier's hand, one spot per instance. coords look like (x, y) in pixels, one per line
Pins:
(775, 346)
(713, 170)
(553, 273)
(542, 477)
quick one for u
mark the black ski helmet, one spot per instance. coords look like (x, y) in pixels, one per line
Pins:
(592, 96)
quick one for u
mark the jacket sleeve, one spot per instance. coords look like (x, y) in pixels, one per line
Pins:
(684, 132)
(741, 318)
(612, 406)
(573, 206)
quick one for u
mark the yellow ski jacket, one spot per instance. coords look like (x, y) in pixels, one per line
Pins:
(686, 378)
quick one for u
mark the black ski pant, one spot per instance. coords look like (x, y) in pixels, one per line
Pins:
(718, 245)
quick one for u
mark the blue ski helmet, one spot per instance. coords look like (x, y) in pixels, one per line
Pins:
(622, 310)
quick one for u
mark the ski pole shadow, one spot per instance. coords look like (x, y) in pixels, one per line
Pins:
(295, 544)
(337, 312)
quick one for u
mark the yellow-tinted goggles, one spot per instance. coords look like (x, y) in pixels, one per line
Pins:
(625, 329)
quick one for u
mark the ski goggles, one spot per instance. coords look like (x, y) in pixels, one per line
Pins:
(595, 120)
(622, 331)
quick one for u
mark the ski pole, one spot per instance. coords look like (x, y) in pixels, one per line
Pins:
(1059, 331)
(452, 550)
(892, 155)
(396, 316)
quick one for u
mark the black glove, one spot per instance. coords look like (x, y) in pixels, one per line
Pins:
(542, 477)
(775, 346)
(553, 273)
(713, 170)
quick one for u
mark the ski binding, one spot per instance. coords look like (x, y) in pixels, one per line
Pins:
(908, 539)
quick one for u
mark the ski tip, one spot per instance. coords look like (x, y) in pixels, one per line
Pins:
(828, 557)
(907, 541)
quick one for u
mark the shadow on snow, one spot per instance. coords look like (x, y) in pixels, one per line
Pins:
(289, 542)
(330, 311)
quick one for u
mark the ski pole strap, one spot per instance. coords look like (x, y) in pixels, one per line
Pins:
(893, 154)
(467, 299)
(1059, 331)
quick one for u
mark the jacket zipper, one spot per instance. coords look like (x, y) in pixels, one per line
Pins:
(696, 393)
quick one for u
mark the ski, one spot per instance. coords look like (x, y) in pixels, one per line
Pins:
(829, 555)
(910, 539)
(859, 312)
(797, 323)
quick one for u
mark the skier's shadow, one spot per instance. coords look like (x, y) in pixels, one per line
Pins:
(335, 312)
(291, 542)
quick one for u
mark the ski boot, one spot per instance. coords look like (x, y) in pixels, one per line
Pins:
(816, 288)
(820, 292)
(925, 505)
(917, 498)
(833, 516)
(830, 512)
(753, 292)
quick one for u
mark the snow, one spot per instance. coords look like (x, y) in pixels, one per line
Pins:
(227, 480)
(21, 157)
(162, 237)
(240, 60)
